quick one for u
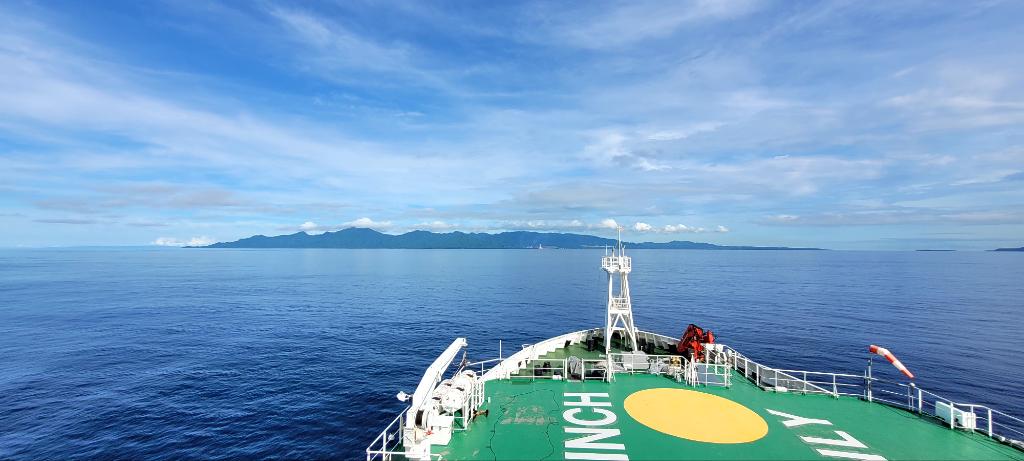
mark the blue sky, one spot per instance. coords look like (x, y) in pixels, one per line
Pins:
(861, 125)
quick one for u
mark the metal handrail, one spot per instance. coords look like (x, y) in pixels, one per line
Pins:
(906, 396)
(385, 452)
(562, 369)
(483, 370)
(993, 423)
(618, 262)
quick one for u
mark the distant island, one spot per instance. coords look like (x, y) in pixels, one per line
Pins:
(1009, 249)
(355, 237)
(934, 250)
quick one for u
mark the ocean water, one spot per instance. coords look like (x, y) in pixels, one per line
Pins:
(198, 353)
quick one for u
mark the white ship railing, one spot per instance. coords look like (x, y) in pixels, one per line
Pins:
(617, 263)
(711, 374)
(593, 369)
(388, 441)
(388, 444)
(958, 415)
(721, 358)
(719, 362)
(482, 365)
(694, 373)
(505, 368)
(766, 377)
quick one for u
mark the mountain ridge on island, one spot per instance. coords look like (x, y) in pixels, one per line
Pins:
(1009, 249)
(359, 238)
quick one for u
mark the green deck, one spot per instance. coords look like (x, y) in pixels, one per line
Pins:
(526, 421)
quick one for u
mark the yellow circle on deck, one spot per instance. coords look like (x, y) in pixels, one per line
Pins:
(695, 416)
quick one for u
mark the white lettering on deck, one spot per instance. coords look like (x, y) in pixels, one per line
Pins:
(850, 455)
(587, 411)
(845, 440)
(795, 421)
(589, 442)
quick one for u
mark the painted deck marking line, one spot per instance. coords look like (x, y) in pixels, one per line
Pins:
(845, 439)
(591, 435)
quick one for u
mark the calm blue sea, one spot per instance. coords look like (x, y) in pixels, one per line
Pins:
(199, 353)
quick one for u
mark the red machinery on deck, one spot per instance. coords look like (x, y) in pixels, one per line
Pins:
(692, 343)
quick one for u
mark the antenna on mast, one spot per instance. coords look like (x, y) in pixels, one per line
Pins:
(620, 308)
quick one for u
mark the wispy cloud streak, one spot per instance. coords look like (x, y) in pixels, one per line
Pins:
(747, 122)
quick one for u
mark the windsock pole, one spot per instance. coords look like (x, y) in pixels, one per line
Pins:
(891, 358)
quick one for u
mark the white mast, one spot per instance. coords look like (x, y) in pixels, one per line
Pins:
(620, 308)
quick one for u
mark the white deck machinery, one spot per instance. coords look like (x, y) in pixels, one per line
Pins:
(620, 307)
(440, 407)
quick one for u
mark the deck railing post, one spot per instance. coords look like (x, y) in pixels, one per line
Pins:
(990, 422)
(920, 401)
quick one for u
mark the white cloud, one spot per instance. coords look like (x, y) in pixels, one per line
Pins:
(680, 229)
(642, 227)
(435, 226)
(612, 147)
(631, 22)
(958, 95)
(900, 215)
(783, 218)
(313, 228)
(683, 133)
(710, 121)
(338, 53)
(676, 229)
(369, 224)
(542, 225)
(607, 146)
(175, 242)
(341, 48)
(608, 224)
(200, 241)
(647, 165)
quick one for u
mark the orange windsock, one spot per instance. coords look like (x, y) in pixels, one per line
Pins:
(891, 358)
